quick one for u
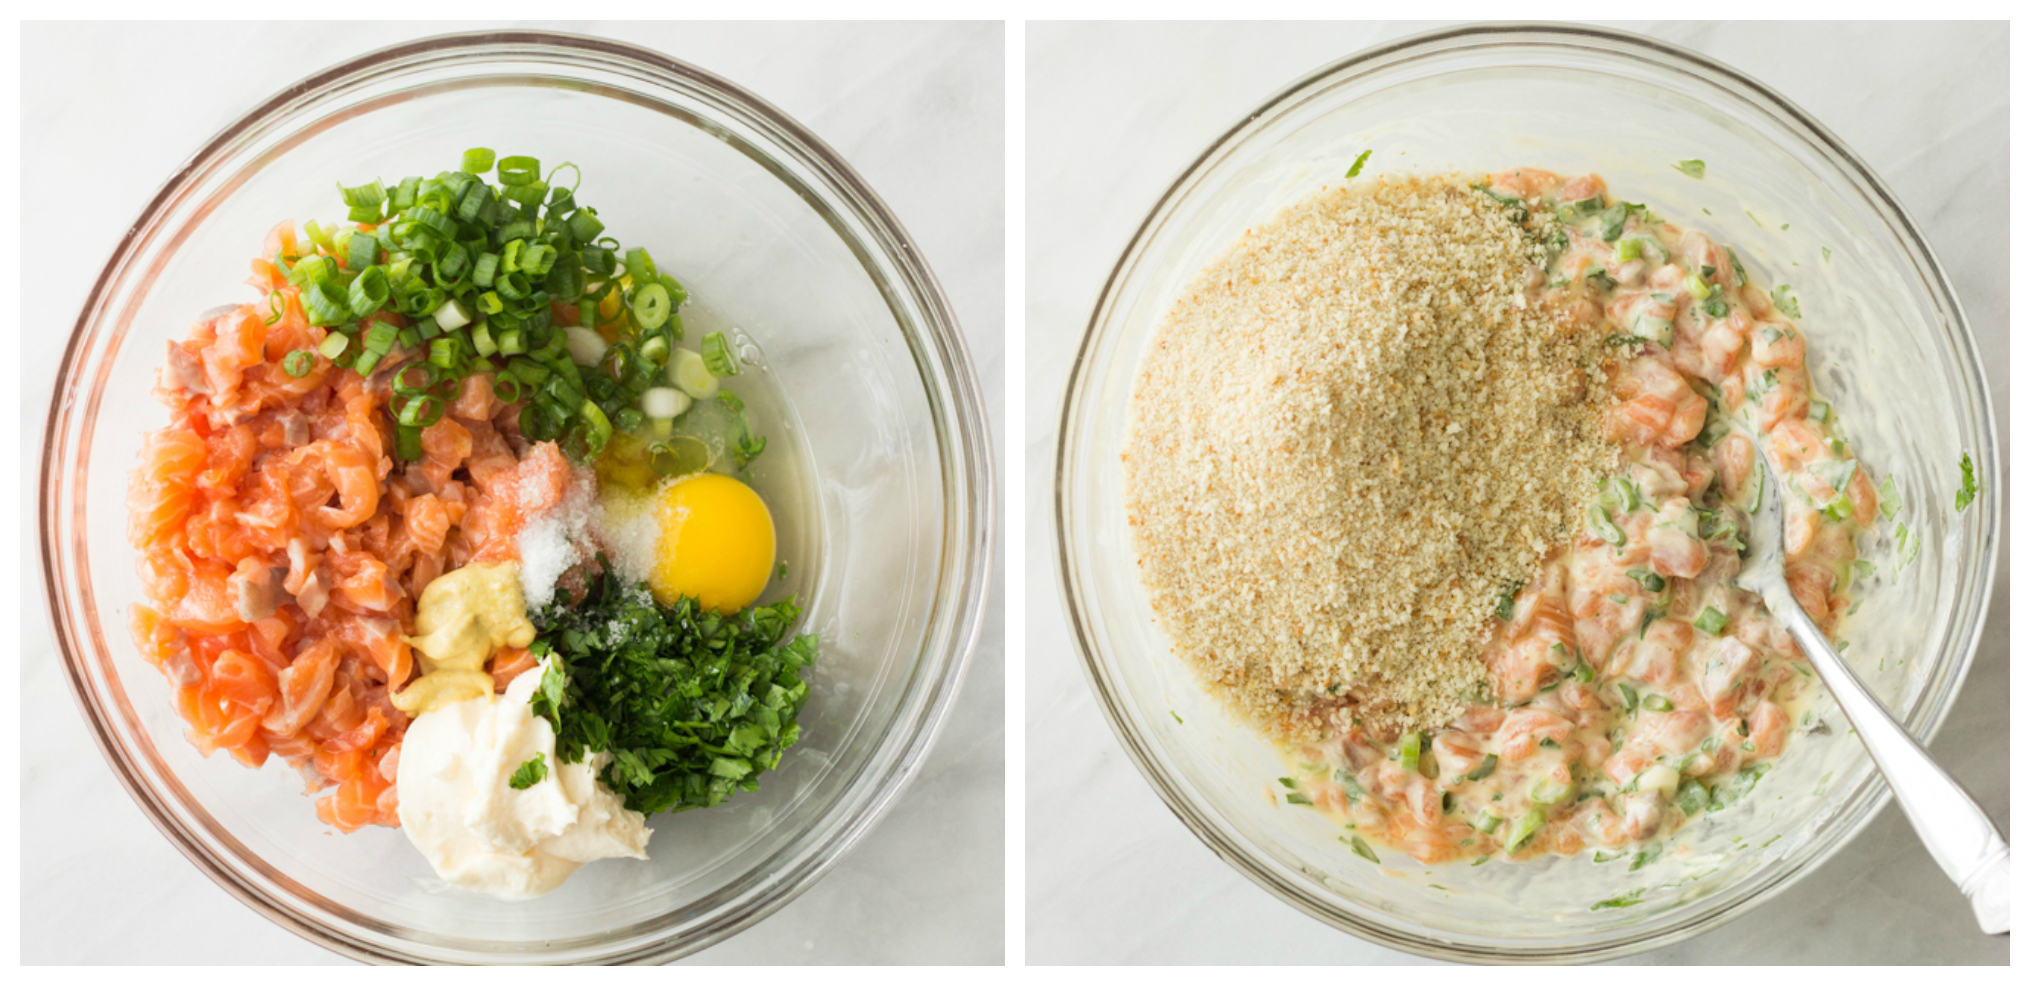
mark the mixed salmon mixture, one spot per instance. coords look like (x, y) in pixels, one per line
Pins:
(282, 548)
(1630, 685)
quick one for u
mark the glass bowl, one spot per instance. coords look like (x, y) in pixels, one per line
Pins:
(1884, 327)
(877, 468)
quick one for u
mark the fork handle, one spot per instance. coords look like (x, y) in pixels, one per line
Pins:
(1948, 821)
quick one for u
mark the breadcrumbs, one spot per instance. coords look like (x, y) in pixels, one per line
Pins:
(1351, 436)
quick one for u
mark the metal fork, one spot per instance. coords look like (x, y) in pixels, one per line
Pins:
(1952, 826)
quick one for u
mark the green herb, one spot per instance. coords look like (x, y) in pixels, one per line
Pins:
(1487, 765)
(1647, 856)
(1784, 301)
(1613, 221)
(1692, 797)
(1629, 899)
(1296, 799)
(1647, 579)
(1358, 163)
(1487, 821)
(1479, 861)
(1657, 702)
(1740, 272)
(1968, 488)
(693, 705)
(1287, 782)
(1828, 251)
(1601, 857)
(1600, 279)
(1694, 168)
(1712, 621)
(529, 773)
(1179, 718)
(1863, 569)
(1361, 849)
(1504, 608)
(1731, 791)
(1628, 698)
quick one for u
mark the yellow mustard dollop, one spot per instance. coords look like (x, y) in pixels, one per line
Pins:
(462, 617)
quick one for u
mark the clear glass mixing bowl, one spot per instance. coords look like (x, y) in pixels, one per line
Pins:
(877, 469)
(1889, 346)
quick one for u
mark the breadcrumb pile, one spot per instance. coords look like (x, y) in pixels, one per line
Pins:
(1353, 435)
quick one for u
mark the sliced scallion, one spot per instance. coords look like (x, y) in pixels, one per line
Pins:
(1711, 621)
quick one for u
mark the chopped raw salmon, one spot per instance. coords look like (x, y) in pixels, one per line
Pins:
(280, 547)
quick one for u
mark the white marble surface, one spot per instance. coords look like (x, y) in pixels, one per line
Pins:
(1113, 112)
(917, 108)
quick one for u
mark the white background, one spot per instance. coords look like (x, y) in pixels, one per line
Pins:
(1114, 112)
(112, 109)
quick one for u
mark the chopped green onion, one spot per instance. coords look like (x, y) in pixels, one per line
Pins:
(598, 430)
(1647, 579)
(1547, 791)
(1602, 527)
(380, 337)
(369, 291)
(1522, 830)
(1407, 750)
(507, 389)
(1711, 620)
(334, 345)
(1628, 698)
(641, 269)
(1487, 821)
(718, 356)
(651, 308)
(420, 411)
(1487, 765)
(1692, 796)
(300, 362)
(408, 443)
(478, 161)
(1358, 163)
(1655, 702)
(519, 170)
(585, 226)
(326, 304)
(406, 383)
(1695, 168)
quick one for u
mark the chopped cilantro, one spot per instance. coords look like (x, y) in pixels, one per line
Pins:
(693, 705)
(529, 773)
(1358, 163)
(1695, 168)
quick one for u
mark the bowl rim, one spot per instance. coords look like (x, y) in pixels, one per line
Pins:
(965, 547)
(1871, 796)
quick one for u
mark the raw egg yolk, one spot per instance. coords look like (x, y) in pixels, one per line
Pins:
(718, 543)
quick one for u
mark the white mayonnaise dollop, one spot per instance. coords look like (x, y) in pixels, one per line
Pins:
(481, 834)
